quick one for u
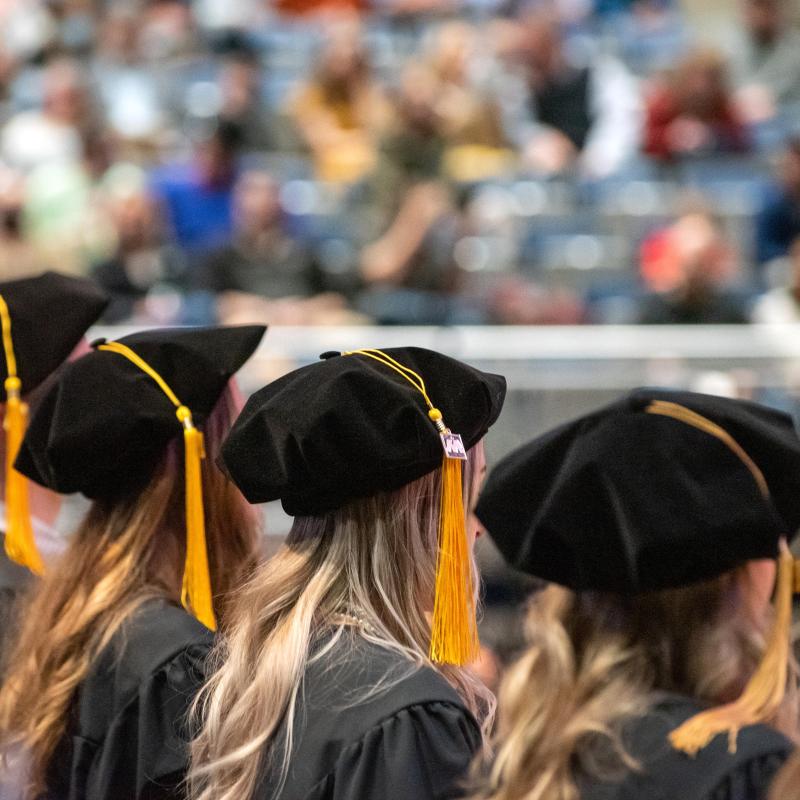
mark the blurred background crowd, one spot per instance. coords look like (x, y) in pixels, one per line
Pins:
(406, 161)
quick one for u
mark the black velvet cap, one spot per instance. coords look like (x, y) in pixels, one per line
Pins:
(49, 315)
(104, 425)
(349, 427)
(626, 500)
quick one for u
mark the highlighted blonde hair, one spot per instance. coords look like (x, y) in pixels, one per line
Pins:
(595, 660)
(374, 558)
(125, 552)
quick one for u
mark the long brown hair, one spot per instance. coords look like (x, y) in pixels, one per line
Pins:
(124, 553)
(375, 558)
(594, 661)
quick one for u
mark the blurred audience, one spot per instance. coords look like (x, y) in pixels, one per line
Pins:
(18, 257)
(410, 274)
(55, 130)
(242, 105)
(264, 272)
(689, 268)
(778, 220)
(765, 60)
(468, 118)
(571, 115)
(144, 273)
(691, 111)
(196, 195)
(341, 111)
(128, 88)
(423, 161)
(782, 303)
(695, 237)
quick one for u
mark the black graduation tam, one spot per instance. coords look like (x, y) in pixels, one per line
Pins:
(103, 427)
(350, 426)
(660, 489)
(49, 314)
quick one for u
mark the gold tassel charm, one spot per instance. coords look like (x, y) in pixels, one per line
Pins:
(20, 543)
(764, 692)
(454, 631)
(196, 595)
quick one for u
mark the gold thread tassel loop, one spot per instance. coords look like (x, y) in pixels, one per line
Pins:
(765, 690)
(20, 543)
(196, 595)
(454, 630)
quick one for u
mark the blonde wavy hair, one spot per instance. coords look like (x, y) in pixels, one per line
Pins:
(374, 558)
(594, 661)
(125, 552)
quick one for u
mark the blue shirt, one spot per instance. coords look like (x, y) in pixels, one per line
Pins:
(199, 214)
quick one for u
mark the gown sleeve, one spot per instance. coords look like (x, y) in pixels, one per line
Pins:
(751, 780)
(423, 751)
(145, 753)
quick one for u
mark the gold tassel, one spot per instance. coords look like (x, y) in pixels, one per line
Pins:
(20, 543)
(454, 630)
(196, 595)
(764, 692)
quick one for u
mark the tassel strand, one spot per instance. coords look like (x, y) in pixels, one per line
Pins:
(454, 631)
(765, 690)
(20, 543)
(196, 595)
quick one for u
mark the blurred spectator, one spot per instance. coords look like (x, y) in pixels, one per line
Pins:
(342, 110)
(410, 274)
(765, 58)
(18, 257)
(263, 270)
(689, 266)
(782, 304)
(197, 195)
(778, 221)
(469, 119)
(142, 265)
(241, 102)
(694, 237)
(691, 111)
(53, 132)
(412, 150)
(127, 86)
(571, 115)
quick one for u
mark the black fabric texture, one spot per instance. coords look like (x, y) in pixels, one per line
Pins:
(102, 428)
(128, 736)
(626, 501)
(49, 315)
(349, 427)
(714, 774)
(371, 725)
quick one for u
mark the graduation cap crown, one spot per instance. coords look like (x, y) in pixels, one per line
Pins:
(661, 489)
(368, 421)
(31, 351)
(103, 428)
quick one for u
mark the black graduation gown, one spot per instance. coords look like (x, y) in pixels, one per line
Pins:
(714, 774)
(412, 740)
(14, 581)
(127, 734)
